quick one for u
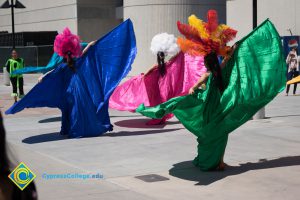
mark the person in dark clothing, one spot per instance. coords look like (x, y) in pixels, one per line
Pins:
(293, 69)
(8, 190)
(12, 64)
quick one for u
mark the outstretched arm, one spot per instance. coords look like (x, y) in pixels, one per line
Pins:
(202, 80)
(8, 66)
(40, 79)
(225, 60)
(88, 46)
(150, 70)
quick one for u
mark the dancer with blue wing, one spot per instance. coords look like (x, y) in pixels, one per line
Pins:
(81, 88)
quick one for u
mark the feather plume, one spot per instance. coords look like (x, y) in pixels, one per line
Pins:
(67, 43)
(201, 37)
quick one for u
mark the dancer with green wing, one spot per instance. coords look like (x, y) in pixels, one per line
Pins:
(253, 74)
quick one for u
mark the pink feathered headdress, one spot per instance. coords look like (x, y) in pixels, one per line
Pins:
(67, 43)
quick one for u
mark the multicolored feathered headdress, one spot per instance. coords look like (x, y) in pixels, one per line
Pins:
(66, 44)
(202, 38)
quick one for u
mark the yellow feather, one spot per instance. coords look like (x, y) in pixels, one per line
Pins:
(217, 34)
(199, 25)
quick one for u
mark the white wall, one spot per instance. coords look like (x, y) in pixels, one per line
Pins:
(283, 13)
(41, 15)
(96, 17)
(88, 18)
(151, 17)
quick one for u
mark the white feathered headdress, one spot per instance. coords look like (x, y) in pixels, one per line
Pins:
(166, 43)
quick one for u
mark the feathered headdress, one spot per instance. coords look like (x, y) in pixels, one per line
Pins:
(202, 38)
(166, 43)
(67, 43)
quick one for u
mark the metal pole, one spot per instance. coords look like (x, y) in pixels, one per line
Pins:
(254, 14)
(13, 22)
(261, 113)
(37, 55)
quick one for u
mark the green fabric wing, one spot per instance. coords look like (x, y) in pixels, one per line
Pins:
(252, 78)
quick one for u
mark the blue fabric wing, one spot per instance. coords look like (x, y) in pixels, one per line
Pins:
(48, 93)
(108, 62)
(54, 62)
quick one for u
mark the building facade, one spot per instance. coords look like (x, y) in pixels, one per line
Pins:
(151, 17)
(88, 18)
(91, 19)
(284, 15)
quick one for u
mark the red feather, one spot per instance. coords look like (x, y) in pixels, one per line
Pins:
(188, 31)
(212, 21)
(228, 35)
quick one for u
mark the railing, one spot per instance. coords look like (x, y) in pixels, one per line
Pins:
(32, 55)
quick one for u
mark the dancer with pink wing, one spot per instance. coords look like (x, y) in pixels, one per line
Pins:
(163, 81)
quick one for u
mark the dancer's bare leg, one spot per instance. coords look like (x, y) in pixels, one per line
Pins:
(221, 166)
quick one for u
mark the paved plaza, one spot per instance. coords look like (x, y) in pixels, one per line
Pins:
(263, 156)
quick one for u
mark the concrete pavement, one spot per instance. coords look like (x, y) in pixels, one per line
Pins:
(264, 156)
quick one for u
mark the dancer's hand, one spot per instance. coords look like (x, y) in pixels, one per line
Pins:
(150, 70)
(88, 46)
(233, 48)
(40, 79)
(92, 43)
(192, 90)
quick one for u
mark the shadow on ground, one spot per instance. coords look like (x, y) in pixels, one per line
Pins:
(49, 120)
(58, 119)
(141, 123)
(49, 137)
(186, 170)
(135, 133)
(297, 115)
(113, 116)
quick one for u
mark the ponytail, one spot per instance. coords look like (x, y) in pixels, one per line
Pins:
(161, 63)
(70, 62)
(212, 64)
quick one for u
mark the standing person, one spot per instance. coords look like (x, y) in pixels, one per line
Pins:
(293, 69)
(8, 190)
(17, 82)
(162, 45)
(234, 91)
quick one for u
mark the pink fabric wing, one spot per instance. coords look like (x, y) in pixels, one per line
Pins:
(129, 95)
(183, 71)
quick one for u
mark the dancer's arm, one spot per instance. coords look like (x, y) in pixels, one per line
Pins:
(40, 79)
(150, 70)
(225, 60)
(202, 80)
(87, 47)
(8, 66)
(288, 58)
